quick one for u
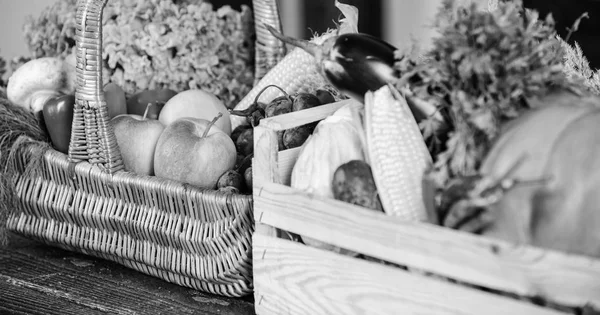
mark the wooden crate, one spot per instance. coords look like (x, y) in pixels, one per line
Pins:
(488, 276)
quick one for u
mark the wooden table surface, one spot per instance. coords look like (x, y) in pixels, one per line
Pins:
(39, 279)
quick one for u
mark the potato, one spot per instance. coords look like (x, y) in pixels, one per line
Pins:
(244, 164)
(229, 189)
(248, 178)
(235, 134)
(231, 178)
(278, 106)
(295, 137)
(304, 101)
(245, 142)
(324, 97)
(353, 183)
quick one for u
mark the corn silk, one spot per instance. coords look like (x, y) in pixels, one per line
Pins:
(150, 44)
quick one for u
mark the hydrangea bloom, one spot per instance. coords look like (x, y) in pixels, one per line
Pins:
(161, 43)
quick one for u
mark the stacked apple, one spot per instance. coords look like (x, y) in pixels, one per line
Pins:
(186, 136)
(188, 139)
(183, 136)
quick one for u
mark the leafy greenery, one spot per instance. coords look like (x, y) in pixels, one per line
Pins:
(481, 72)
(18, 129)
(577, 66)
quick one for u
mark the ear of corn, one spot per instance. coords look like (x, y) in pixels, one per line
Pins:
(296, 72)
(397, 153)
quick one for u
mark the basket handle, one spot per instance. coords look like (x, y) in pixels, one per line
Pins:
(92, 138)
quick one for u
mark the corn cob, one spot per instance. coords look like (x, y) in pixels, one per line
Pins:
(269, 49)
(396, 152)
(296, 72)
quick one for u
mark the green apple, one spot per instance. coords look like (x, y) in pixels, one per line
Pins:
(115, 100)
(137, 137)
(194, 151)
(196, 104)
(137, 103)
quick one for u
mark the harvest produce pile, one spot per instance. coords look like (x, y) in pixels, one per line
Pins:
(481, 161)
(184, 136)
(156, 44)
(421, 139)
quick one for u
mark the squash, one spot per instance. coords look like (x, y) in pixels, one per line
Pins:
(559, 142)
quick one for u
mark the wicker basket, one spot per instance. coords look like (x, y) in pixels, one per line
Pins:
(403, 267)
(85, 202)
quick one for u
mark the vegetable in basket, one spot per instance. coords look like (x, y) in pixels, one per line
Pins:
(336, 140)
(518, 163)
(353, 183)
(39, 80)
(356, 63)
(58, 119)
(541, 181)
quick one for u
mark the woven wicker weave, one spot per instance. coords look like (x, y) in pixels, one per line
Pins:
(85, 202)
(269, 49)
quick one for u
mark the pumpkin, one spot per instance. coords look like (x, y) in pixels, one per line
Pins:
(558, 141)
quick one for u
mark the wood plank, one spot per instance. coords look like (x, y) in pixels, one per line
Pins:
(291, 278)
(38, 279)
(264, 168)
(285, 164)
(527, 271)
(29, 298)
(302, 117)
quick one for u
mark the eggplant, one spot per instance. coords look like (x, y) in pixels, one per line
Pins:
(355, 63)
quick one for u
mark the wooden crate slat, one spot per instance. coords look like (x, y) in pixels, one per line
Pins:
(264, 166)
(291, 278)
(303, 117)
(286, 161)
(528, 271)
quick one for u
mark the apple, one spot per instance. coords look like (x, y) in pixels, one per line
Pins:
(115, 100)
(137, 137)
(194, 151)
(196, 104)
(137, 103)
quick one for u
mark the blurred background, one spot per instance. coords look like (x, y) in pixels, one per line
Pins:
(396, 21)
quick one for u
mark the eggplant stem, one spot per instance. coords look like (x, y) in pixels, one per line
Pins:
(307, 46)
(268, 86)
(245, 112)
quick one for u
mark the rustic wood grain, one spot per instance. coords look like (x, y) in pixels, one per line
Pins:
(37, 279)
(527, 271)
(264, 168)
(291, 278)
(285, 164)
